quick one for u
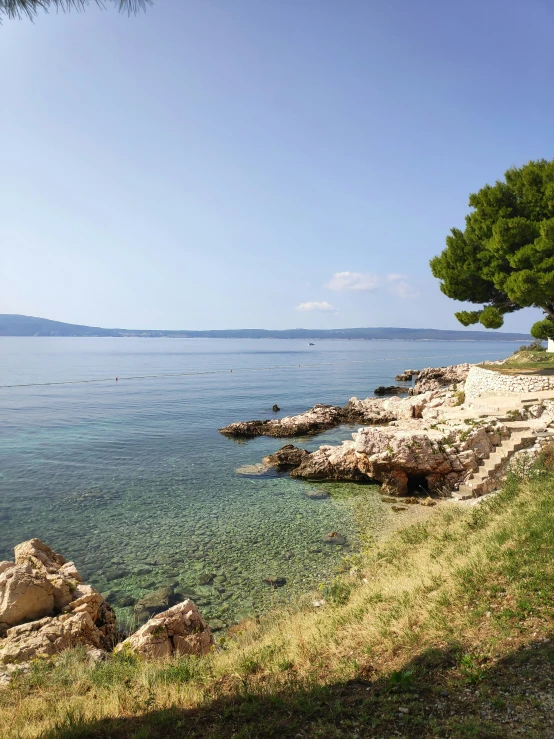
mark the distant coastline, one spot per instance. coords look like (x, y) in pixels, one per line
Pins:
(18, 325)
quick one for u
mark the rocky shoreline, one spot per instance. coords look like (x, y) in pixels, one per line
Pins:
(430, 442)
(427, 442)
(45, 608)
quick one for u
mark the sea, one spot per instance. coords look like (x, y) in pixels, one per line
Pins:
(110, 453)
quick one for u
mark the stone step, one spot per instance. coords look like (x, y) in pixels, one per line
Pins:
(479, 479)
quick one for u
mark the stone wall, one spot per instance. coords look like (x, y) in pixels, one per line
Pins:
(482, 382)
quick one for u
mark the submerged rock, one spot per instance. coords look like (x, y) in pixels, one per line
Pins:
(178, 630)
(334, 538)
(155, 602)
(252, 469)
(316, 494)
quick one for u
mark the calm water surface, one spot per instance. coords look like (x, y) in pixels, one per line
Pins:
(132, 480)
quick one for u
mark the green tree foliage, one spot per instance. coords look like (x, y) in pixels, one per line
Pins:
(30, 8)
(504, 259)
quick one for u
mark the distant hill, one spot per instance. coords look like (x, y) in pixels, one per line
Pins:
(16, 325)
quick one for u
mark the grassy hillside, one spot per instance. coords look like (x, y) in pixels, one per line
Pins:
(441, 631)
(532, 359)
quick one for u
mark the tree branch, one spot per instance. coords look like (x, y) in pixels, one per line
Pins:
(30, 8)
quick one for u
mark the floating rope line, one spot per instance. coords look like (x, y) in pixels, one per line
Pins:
(234, 369)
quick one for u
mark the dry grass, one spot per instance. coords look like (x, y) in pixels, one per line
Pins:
(527, 360)
(476, 577)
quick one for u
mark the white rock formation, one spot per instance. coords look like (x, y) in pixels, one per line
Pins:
(179, 630)
(45, 607)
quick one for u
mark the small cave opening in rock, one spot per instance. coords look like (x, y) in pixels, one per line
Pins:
(418, 485)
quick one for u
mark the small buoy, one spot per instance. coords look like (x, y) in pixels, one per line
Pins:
(230, 370)
(117, 379)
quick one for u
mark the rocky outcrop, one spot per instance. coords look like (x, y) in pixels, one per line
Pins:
(370, 411)
(407, 375)
(390, 390)
(179, 630)
(394, 456)
(24, 595)
(331, 463)
(317, 419)
(39, 583)
(45, 607)
(89, 621)
(286, 457)
(437, 378)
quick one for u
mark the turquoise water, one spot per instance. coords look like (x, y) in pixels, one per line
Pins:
(132, 480)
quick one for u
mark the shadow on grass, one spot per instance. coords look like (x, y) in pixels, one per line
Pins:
(441, 693)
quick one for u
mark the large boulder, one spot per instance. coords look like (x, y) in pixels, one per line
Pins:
(62, 575)
(331, 463)
(51, 635)
(286, 457)
(45, 607)
(179, 630)
(24, 595)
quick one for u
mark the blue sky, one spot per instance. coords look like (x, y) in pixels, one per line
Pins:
(253, 163)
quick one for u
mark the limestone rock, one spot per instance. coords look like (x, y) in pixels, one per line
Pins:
(331, 463)
(407, 375)
(179, 630)
(45, 607)
(393, 455)
(24, 595)
(39, 555)
(390, 390)
(48, 636)
(368, 411)
(286, 457)
(435, 378)
(319, 418)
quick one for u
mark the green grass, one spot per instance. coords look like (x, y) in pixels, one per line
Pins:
(437, 632)
(527, 360)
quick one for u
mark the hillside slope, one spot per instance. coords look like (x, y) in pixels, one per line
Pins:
(442, 631)
(17, 325)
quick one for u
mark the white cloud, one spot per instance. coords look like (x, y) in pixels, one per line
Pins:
(395, 276)
(404, 290)
(314, 305)
(356, 281)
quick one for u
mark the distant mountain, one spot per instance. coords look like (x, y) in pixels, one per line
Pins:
(16, 325)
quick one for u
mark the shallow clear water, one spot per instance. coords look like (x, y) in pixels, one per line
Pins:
(132, 480)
